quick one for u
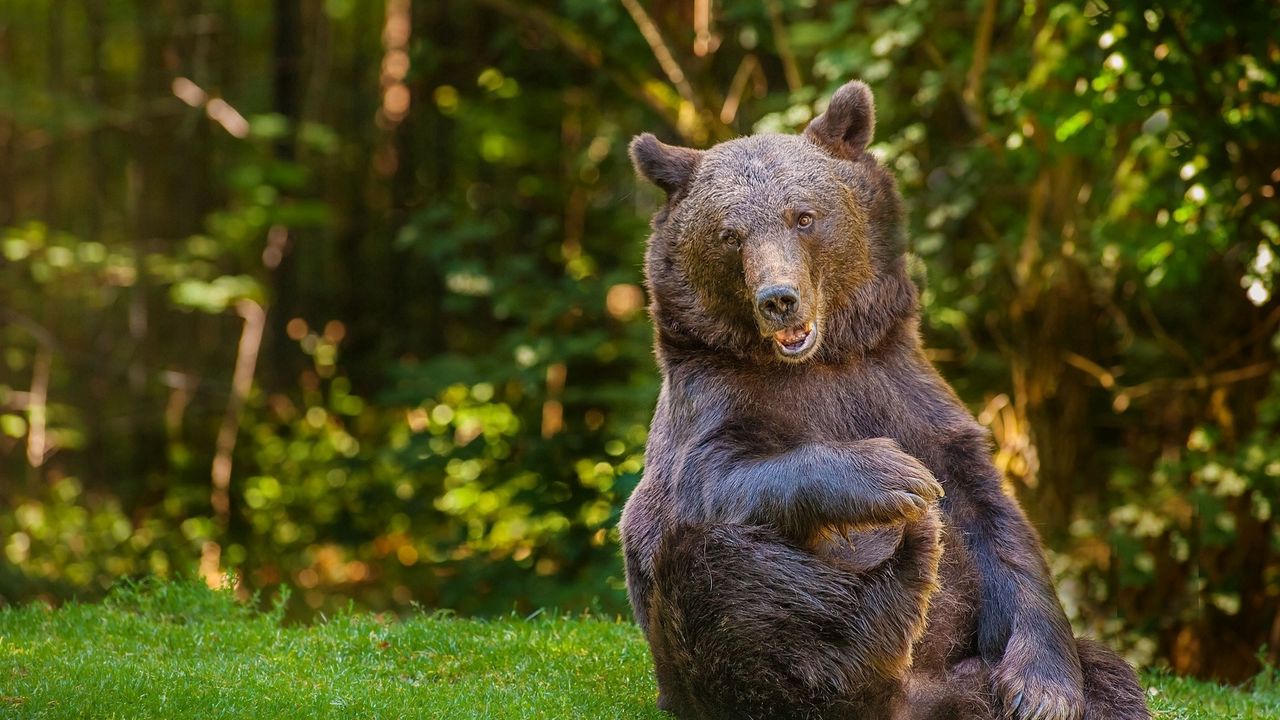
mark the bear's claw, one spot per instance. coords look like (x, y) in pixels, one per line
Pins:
(1041, 699)
(1039, 679)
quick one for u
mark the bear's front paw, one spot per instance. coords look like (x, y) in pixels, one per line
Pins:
(1035, 688)
(897, 485)
(897, 506)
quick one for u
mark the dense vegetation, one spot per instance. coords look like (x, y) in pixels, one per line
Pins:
(181, 651)
(345, 295)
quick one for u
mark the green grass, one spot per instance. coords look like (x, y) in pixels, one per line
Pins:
(181, 651)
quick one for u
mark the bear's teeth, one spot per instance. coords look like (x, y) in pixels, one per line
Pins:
(795, 335)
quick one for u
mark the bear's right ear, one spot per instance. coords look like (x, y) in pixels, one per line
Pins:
(845, 129)
(667, 166)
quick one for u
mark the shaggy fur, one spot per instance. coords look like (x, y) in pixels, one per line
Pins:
(722, 588)
(765, 462)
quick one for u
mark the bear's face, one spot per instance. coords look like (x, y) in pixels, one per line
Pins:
(766, 241)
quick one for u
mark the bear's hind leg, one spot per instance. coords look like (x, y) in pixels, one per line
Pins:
(745, 625)
(1112, 690)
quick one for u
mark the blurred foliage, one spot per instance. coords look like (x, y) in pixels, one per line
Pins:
(432, 204)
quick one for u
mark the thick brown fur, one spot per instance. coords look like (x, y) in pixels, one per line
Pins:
(798, 415)
(720, 589)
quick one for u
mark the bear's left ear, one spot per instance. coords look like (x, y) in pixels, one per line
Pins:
(667, 166)
(845, 129)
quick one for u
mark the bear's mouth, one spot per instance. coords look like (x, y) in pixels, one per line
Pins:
(794, 343)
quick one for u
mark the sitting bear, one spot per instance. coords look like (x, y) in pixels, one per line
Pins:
(782, 550)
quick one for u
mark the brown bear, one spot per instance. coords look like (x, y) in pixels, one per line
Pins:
(781, 551)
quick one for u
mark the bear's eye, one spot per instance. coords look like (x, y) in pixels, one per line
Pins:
(732, 238)
(804, 220)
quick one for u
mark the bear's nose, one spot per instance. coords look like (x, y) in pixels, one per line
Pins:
(778, 302)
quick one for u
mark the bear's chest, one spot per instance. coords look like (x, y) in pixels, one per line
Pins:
(818, 407)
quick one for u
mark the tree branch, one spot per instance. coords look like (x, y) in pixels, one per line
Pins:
(694, 124)
(662, 53)
(241, 382)
(981, 52)
(1125, 394)
(780, 40)
(737, 88)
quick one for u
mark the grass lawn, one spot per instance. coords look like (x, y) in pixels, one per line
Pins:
(181, 651)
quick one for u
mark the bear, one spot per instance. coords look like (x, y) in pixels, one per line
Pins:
(800, 441)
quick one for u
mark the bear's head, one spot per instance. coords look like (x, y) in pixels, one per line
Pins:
(778, 248)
